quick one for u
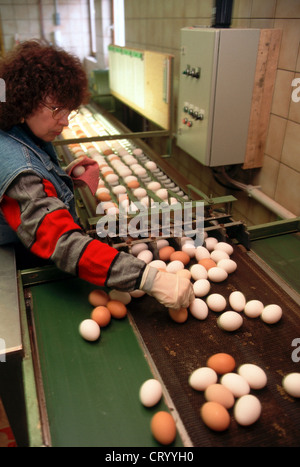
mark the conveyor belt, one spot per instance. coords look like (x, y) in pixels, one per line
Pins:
(178, 349)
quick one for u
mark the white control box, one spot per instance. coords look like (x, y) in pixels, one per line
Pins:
(217, 71)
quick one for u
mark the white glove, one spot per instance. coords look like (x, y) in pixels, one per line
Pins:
(171, 290)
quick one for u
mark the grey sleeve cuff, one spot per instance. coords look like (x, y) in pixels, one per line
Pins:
(125, 272)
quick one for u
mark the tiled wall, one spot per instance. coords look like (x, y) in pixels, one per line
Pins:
(156, 24)
(26, 19)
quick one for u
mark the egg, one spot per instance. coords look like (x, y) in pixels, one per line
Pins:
(162, 193)
(247, 410)
(256, 377)
(103, 196)
(154, 186)
(140, 193)
(215, 416)
(78, 171)
(112, 178)
(228, 264)
(198, 309)
(225, 247)
(198, 272)
(150, 392)
(89, 330)
(208, 263)
(133, 184)
(216, 302)
(146, 256)
(98, 297)
(253, 308)
(236, 384)
(271, 314)
(117, 309)
(137, 293)
(201, 287)
(137, 152)
(138, 247)
(165, 253)
(210, 243)
(219, 393)
(119, 189)
(217, 255)
(201, 253)
(179, 316)
(216, 274)
(163, 427)
(202, 377)
(189, 249)
(158, 263)
(180, 256)
(230, 321)
(101, 315)
(174, 266)
(291, 384)
(161, 243)
(237, 300)
(150, 165)
(121, 296)
(221, 362)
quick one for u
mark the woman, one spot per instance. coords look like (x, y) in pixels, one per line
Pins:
(44, 86)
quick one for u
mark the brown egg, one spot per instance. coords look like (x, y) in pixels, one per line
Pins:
(179, 316)
(103, 196)
(215, 416)
(207, 263)
(163, 427)
(117, 309)
(219, 393)
(165, 253)
(98, 297)
(133, 184)
(108, 151)
(180, 256)
(101, 315)
(221, 362)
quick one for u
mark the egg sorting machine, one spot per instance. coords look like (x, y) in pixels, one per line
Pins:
(83, 394)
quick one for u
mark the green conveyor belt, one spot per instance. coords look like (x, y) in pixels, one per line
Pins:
(282, 254)
(91, 389)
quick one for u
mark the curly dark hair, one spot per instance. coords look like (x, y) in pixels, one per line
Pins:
(34, 70)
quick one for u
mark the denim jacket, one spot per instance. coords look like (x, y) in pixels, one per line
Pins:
(20, 153)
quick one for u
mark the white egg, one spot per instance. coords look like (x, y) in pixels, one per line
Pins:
(236, 384)
(158, 263)
(89, 330)
(210, 243)
(154, 186)
(271, 314)
(217, 274)
(119, 295)
(137, 152)
(247, 410)
(112, 178)
(216, 302)
(161, 243)
(151, 166)
(119, 189)
(150, 392)
(198, 272)
(184, 240)
(291, 384)
(228, 264)
(189, 248)
(138, 247)
(140, 192)
(174, 266)
(230, 321)
(137, 293)
(256, 377)
(201, 253)
(201, 287)
(253, 308)
(203, 377)
(162, 193)
(225, 247)
(237, 300)
(217, 255)
(145, 255)
(199, 309)
(78, 171)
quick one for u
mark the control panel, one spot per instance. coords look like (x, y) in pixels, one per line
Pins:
(217, 71)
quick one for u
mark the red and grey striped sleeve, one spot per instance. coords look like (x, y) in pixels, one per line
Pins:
(44, 225)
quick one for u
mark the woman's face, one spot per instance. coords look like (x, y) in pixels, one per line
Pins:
(44, 125)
